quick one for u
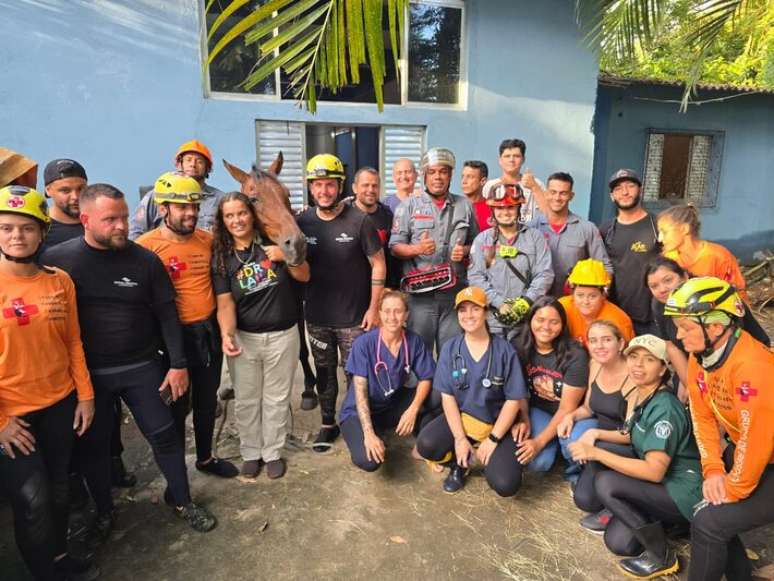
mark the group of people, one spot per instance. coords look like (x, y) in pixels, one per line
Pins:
(497, 327)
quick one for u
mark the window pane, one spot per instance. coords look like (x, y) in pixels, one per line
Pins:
(233, 65)
(434, 53)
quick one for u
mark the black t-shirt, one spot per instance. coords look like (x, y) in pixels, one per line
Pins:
(631, 247)
(262, 290)
(339, 291)
(544, 369)
(60, 232)
(126, 301)
(382, 220)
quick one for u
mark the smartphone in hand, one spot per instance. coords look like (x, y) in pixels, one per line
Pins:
(166, 395)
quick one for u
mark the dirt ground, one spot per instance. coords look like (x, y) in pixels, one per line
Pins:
(327, 520)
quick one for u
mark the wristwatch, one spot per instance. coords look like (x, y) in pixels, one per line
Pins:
(494, 438)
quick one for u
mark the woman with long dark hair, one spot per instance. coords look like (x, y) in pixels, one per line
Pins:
(257, 318)
(556, 368)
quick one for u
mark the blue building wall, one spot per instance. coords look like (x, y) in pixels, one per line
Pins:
(743, 218)
(118, 86)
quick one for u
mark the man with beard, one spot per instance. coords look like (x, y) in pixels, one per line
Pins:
(194, 159)
(126, 308)
(631, 240)
(430, 230)
(65, 180)
(348, 273)
(187, 253)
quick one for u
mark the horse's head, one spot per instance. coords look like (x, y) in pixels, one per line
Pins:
(272, 204)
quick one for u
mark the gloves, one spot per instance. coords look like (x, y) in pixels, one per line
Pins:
(513, 311)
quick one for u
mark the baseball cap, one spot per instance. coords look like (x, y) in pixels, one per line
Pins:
(651, 343)
(624, 174)
(472, 294)
(63, 168)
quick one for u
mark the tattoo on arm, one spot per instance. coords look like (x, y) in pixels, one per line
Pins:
(361, 401)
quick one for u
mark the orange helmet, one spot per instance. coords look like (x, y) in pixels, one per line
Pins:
(194, 146)
(500, 195)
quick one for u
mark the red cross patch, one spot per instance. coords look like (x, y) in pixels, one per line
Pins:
(175, 268)
(382, 235)
(16, 201)
(746, 391)
(701, 383)
(21, 312)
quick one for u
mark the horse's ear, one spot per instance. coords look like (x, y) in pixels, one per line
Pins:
(236, 173)
(276, 165)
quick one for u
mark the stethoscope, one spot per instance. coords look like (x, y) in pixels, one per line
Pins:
(460, 372)
(381, 365)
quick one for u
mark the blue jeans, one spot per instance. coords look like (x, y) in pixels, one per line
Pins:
(543, 462)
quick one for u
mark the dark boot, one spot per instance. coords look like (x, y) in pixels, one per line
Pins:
(119, 475)
(308, 399)
(657, 560)
(455, 481)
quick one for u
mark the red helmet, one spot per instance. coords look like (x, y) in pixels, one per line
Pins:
(194, 146)
(500, 195)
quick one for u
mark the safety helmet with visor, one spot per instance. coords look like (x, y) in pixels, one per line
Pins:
(500, 195)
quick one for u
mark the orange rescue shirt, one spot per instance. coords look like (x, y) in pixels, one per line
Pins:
(714, 260)
(189, 266)
(41, 355)
(738, 397)
(578, 326)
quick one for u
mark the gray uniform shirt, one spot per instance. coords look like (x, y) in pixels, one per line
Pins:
(577, 240)
(418, 214)
(146, 216)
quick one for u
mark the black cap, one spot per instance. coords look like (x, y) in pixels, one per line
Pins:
(63, 168)
(624, 174)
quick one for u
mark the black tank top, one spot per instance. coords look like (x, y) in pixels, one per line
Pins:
(608, 408)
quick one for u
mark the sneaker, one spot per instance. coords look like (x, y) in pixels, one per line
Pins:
(198, 517)
(308, 400)
(100, 529)
(72, 569)
(251, 468)
(325, 438)
(275, 468)
(218, 467)
(455, 481)
(120, 477)
(596, 522)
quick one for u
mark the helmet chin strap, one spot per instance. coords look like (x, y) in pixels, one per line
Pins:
(709, 344)
(175, 230)
(24, 259)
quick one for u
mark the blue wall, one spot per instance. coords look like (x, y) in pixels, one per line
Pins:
(743, 218)
(117, 85)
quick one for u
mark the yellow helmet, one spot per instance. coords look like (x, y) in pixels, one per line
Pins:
(24, 201)
(177, 188)
(324, 166)
(589, 272)
(705, 298)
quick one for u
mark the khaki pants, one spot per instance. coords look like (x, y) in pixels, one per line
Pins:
(262, 376)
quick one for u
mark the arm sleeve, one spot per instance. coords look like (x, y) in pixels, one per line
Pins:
(422, 363)
(577, 373)
(401, 224)
(665, 432)
(477, 272)
(220, 284)
(163, 305)
(442, 380)
(597, 249)
(543, 271)
(358, 360)
(515, 386)
(705, 426)
(143, 217)
(78, 369)
(369, 237)
(473, 229)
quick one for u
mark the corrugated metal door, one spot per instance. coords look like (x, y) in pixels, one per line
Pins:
(400, 141)
(290, 138)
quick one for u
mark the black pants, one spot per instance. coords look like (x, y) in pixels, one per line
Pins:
(139, 389)
(202, 395)
(715, 544)
(352, 429)
(503, 473)
(37, 486)
(585, 496)
(634, 503)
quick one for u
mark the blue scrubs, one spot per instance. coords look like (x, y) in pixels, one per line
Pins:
(362, 361)
(467, 388)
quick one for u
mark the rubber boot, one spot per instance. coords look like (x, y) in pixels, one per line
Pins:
(119, 475)
(657, 560)
(308, 396)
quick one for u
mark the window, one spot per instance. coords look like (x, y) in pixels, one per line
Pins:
(356, 146)
(682, 167)
(433, 60)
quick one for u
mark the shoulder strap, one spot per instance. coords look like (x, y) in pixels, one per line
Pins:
(510, 264)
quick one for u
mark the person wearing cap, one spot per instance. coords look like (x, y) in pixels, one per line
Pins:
(661, 484)
(510, 260)
(631, 240)
(46, 396)
(588, 302)
(474, 176)
(512, 153)
(482, 393)
(404, 177)
(348, 273)
(570, 237)
(431, 231)
(729, 388)
(186, 252)
(194, 159)
(17, 170)
(65, 179)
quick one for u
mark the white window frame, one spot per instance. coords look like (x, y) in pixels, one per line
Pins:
(462, 105)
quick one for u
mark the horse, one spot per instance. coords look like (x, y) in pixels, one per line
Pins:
(272, 204)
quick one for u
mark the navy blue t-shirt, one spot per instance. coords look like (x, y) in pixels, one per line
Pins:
(386, 387)
(505, 375)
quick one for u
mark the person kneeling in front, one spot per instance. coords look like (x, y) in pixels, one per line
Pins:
(483, 391)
